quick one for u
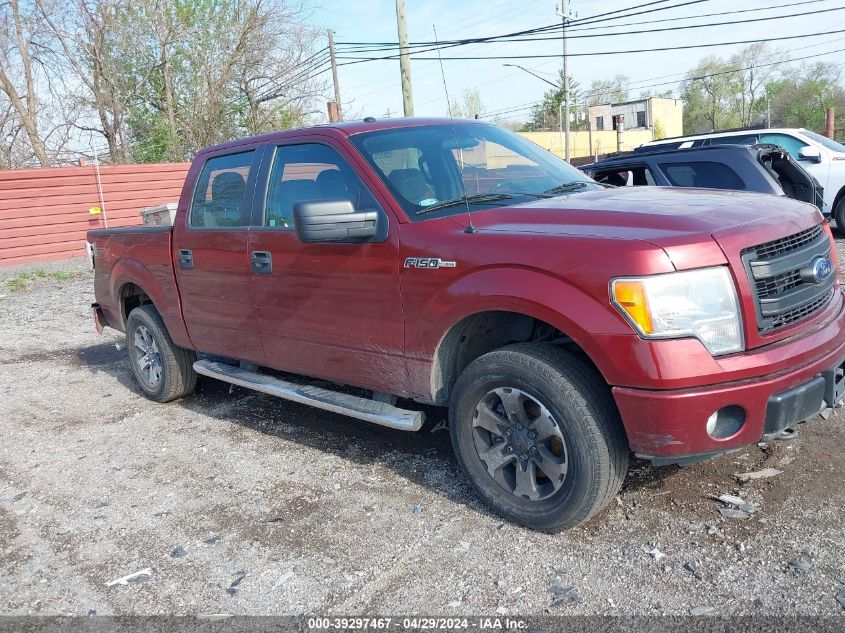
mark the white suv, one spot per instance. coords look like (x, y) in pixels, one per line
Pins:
(822, 157)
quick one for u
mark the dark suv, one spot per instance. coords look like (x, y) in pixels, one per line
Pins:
(760, 168)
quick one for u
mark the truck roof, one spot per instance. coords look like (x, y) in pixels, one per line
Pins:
(347, 128)
(737, 131)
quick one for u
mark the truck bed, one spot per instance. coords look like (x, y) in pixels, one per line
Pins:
(139, 253)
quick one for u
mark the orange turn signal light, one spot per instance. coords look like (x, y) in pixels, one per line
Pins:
(631, 297)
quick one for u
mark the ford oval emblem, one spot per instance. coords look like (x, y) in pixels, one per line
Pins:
(822, 268)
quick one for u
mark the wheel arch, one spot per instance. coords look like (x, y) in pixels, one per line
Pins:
(130, 295)
(135, 284)
(508, 305)
(840, 195)
(484, 331)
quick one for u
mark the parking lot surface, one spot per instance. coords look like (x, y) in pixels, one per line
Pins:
(234, 502)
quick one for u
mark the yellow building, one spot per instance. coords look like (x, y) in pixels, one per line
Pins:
(643, 120)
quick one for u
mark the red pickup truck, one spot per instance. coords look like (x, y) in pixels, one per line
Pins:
(564, 323)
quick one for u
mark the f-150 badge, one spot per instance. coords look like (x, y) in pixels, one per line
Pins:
(428, 262)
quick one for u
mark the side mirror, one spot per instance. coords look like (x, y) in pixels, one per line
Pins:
(810, 153)
(336, 220)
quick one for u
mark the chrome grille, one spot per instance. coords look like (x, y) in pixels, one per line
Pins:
(782, 294)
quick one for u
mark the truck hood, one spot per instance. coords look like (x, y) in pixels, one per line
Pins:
(663, 216)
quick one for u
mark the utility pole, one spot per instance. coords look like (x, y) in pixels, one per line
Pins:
(404, 59)
(563, 12)
(560, 106)
(334, 76)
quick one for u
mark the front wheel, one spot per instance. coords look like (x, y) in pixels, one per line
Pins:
(839, 215)
(163, 370)
(537, 433)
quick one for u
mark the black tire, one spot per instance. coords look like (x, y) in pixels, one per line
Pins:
(176, 375)
(839, 215)
(580, 409)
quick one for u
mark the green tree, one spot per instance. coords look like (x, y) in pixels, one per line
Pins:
(800, 98)
(707, 93)
(546, 114)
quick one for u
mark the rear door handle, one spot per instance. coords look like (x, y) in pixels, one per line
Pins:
(262, 262)
(186, 258)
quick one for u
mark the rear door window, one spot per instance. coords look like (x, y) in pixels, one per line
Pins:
(219, 197)
(704, 174)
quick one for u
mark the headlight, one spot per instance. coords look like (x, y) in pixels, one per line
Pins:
(700, 303)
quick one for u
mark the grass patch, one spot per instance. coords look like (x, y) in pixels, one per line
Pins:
(19, 283)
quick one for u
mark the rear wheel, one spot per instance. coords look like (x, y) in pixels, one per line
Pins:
(163, 370)
(536, 431)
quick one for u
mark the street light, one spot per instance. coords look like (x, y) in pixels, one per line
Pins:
(559, 107)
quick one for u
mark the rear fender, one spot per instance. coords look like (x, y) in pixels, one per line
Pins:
(159, 284)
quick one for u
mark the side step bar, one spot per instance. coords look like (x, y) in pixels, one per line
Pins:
(380, 413)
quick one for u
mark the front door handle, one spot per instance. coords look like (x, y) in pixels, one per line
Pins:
(186, 258)
(262, 262)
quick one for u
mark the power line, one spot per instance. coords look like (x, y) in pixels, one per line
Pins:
(663, 29)
(702, 15)
(529, 105)
(358, 60)
(631, 84)
(541, 29)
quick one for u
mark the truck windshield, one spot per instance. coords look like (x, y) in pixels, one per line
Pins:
(440, 170)
(829, 143)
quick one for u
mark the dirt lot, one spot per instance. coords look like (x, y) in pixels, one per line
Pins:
(235, 502)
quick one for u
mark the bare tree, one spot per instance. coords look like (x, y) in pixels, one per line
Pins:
(469, 106)
(603, 91)
(10, 129)
(98, 45)
(19, 33)
(754, 68)
(223, 70)
(274, 74)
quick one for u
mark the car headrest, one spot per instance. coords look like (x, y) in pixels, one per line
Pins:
(410, 184)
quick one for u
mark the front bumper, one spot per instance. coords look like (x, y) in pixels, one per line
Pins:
(671, 426)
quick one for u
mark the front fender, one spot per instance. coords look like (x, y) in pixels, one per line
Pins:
(588, 321)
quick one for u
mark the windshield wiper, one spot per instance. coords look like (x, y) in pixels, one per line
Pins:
(476, 199)
(569, 186)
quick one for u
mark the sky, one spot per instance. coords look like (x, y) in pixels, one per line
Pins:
(373, 88)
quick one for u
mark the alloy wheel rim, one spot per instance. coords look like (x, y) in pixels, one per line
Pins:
(147, 356)
(520, 443)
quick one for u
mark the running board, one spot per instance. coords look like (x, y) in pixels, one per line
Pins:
(380, 413)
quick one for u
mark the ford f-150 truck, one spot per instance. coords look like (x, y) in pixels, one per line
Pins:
(566, 324)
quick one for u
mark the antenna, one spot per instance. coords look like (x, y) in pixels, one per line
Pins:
(470, 228)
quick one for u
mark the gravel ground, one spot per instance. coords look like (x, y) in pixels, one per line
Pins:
(240, 503)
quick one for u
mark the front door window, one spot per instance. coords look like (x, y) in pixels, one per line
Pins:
(310, 171)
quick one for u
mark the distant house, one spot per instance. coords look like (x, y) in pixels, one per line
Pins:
(664, 117)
